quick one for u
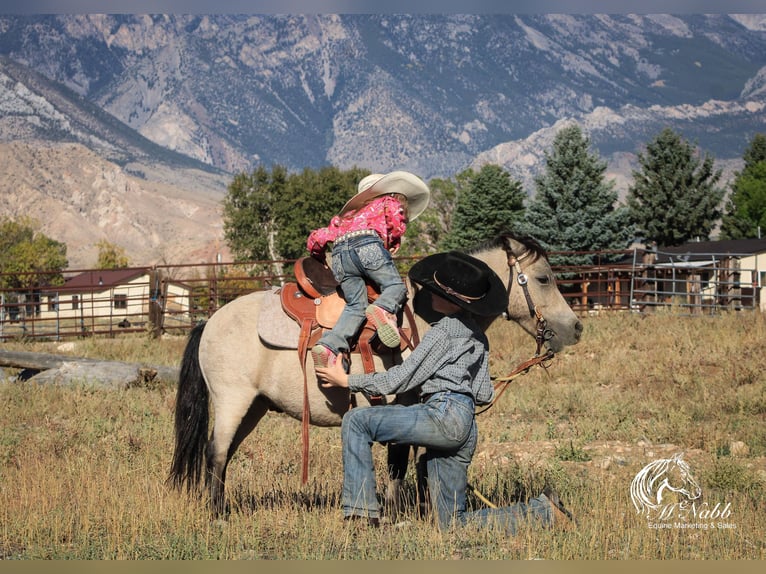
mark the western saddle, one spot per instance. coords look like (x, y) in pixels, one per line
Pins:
(315, 303)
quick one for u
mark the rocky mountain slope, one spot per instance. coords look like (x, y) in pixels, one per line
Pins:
(169, 106)
(80, 198)
(85, 176)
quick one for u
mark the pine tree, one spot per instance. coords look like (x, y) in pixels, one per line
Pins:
(674, 197)
(574, 208)
(488, 203)
(745, 214)
(756, 151)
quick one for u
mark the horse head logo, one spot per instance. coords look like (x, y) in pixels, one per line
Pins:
(660, 477)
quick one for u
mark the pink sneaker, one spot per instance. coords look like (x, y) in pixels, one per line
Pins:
(322, 356)
(385, 324)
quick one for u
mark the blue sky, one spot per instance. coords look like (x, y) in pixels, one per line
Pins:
(376, 6)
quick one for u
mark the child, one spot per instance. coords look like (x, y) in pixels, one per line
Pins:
(450, 369)
(364, 236)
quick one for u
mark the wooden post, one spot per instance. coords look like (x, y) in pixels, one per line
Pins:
(212, 299)
(735, 297)
(649, 281)
(693, 292)
(584, 299)
(156, 302)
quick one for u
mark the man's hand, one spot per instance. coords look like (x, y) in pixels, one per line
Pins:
(333, 375)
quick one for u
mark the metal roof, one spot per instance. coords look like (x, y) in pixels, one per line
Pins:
(698, 250)
(100, 279)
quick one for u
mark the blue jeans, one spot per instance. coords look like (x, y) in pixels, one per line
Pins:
(353, 261)
(445, 425)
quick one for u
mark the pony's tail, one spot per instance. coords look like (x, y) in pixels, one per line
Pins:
(191, 418)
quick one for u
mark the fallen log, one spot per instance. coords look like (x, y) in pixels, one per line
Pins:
(68, 370)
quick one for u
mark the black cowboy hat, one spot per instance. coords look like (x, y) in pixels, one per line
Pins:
(464, 280)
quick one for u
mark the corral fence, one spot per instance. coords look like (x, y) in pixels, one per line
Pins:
(646, 281)
(173, 298)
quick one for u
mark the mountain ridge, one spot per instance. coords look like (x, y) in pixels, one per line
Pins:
(182, 102)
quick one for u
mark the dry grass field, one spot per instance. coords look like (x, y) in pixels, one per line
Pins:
(82, 469)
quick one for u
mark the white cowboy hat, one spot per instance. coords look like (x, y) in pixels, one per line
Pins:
(401, 182)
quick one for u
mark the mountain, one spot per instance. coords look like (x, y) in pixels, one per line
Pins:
(85, 176)
(81, 198)
(184, 101)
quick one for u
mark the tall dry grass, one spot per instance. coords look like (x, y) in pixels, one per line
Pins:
(82, 470)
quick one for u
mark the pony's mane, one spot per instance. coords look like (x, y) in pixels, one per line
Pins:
(503, 241)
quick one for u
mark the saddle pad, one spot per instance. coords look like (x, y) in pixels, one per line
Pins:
(275, 327)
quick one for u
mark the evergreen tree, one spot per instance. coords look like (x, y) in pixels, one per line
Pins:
(674, 197)
(756, 151)
(488, 203)
(745, 215)
(574, 208)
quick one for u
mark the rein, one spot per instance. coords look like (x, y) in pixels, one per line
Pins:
(542, 333)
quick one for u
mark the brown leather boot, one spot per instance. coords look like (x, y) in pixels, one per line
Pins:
(562, 517)
(372, 521)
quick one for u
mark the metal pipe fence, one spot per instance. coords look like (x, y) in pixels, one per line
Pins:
(173, 298)
(648, 281)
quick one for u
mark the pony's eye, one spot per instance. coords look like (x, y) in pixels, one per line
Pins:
(544, 280)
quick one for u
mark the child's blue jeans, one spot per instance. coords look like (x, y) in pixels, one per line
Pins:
(354, 260)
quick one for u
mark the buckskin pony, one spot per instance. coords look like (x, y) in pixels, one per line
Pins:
(227, 367)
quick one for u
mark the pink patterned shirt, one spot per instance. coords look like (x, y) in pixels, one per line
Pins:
(384, 214)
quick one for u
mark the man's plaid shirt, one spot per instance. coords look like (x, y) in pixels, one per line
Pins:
(452, 356)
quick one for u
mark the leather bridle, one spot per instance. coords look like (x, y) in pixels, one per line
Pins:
(542, 332)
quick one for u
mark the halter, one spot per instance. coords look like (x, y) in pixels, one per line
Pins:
(542, 332)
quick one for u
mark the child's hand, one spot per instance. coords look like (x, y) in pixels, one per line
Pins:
(333, 375)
